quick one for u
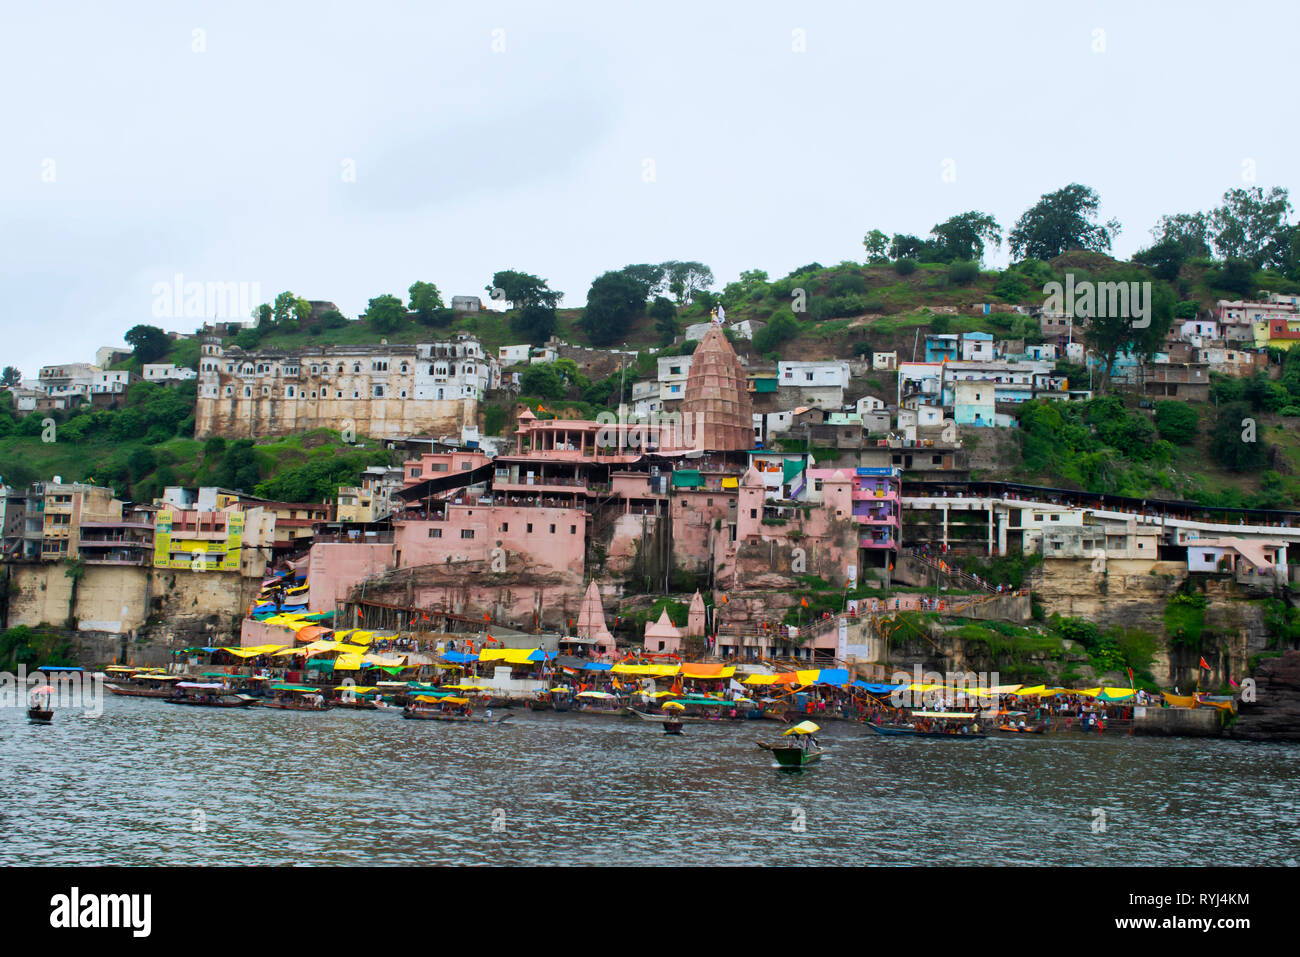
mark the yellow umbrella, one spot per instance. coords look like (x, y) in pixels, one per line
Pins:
(803, 727)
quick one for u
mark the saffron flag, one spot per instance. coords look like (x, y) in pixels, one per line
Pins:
(1204, 665)
(804, 602)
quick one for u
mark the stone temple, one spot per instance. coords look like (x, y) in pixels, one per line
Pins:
(716, 402)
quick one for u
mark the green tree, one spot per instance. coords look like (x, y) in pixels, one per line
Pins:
(1251, 225)
(283, 307)
(148, 342)
(542, 380)
(10, 378)
(876, 244)
(265, 315)
(333, 319)
(385, 313)
(1189, 231)
(905, 246)
(534, 322)
(522, 289)
(426, 302)
(1178, 422)
(1059, 221)
(686, 278)
(664, 313)
(614, 300)
(1235, 441)
(1165, 259)
(301, 311)
(964, 236)
(1118, 330)
(1235, 275)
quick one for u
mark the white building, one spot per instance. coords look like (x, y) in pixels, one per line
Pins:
(673, 371)
(514, 355)
(833, 373)
(167, 372)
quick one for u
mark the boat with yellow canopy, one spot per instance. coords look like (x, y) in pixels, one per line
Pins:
(800, 747)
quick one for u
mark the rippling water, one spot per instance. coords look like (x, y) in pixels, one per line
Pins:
(344, 787)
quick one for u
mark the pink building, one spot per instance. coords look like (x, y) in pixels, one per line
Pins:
(537, 536)
(437, 464)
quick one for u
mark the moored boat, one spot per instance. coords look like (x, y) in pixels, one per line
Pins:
(950, 725)
(296, 698)
(201, 694)
(601, 703)
(457, 710)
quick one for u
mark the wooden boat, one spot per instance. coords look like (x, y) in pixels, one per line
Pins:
(456, 710)
(801, 750)
(144, 685)
(209, 695)
(601, 703)
(561, 699)
(296, 698)
(1012, 729)
(673, 726)
(953, 721)
(38, 705)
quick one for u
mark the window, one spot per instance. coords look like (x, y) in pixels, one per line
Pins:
(552, 529)
(465, 466)
(467, 533)
(753, 513)
(573, 529)
(529, 528)
(435, 533)
(808, 376)
(379, 392)
(505, 526)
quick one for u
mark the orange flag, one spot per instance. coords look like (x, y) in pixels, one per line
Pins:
(804, 602)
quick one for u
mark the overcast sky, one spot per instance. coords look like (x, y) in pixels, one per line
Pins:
(344, 150)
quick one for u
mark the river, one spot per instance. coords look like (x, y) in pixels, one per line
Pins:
(152, 783)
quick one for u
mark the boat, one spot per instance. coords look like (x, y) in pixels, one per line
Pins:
(38, 706)
(601, 703)
(673, 726)
(296, 698)
(149, 683)
(950, 725)
(201, 694)
(802, 749)
(458, 710)
(561, 699)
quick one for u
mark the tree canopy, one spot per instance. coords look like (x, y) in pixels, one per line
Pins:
(1059, 221)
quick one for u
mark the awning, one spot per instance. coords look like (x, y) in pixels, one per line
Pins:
(790, 468)
(513, 656)
(837, 677)
(653, 671)
(457, 657)
(348, 661)
(707, 671)
(597, 666)
(803, 727)
(687, 478)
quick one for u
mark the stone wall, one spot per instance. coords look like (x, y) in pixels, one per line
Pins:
(159, 605)
(236, 417)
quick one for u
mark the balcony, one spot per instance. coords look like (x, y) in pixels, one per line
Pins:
(878, 540)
